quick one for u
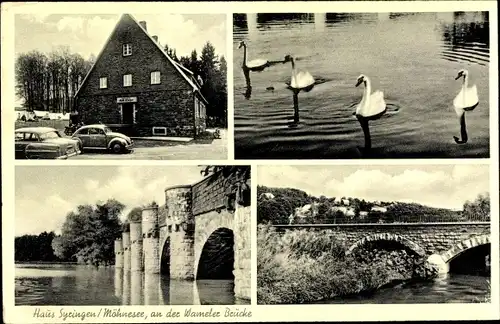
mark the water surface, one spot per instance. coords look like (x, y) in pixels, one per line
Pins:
(66, 284)
(452, 289)
(413, 58)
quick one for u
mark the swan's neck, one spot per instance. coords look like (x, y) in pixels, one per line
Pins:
(244, 55)
(366, 93)
(465, 82)
(294, 71)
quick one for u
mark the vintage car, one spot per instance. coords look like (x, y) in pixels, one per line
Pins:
(44, 143)
(101, 137)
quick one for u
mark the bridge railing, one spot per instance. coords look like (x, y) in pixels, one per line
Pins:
(396, 219)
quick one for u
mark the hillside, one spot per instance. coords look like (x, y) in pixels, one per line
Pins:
(281, 206)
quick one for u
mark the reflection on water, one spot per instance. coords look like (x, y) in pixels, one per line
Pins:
(412, 57)
(449, 289)
(85, 285)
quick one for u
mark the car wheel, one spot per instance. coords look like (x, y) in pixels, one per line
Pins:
(117, 148)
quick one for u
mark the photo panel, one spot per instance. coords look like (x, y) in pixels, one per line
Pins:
(130, 86)
(361, 85)
(361, 234)
(178, 235)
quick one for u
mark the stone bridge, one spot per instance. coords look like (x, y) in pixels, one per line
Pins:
(440, 243)
(202, 232)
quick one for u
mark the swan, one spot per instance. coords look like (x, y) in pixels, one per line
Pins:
(255, 65)
(301, 80)
(372, 106)
(466, 100)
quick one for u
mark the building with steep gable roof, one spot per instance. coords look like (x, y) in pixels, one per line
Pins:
(135, 88)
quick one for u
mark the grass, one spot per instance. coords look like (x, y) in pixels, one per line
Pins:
(304, 267)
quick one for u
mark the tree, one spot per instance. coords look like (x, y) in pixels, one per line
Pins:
(479, 209)
(88, 234)
(35, 247)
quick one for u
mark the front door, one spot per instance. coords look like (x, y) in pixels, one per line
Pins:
(128, 113)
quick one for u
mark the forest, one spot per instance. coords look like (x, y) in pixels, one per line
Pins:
(278, 209)
(49, 82)
(87, 237)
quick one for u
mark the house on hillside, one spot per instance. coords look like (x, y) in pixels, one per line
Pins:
(347, 211)
(135, 88)
(379, 209)
(266, 195)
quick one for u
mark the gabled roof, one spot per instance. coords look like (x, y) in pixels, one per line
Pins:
(177, 66)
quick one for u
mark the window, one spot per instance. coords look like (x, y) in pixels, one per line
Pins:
(155, 77)
(95, 131)
(127, 80)
(127, 49)
(103, 83)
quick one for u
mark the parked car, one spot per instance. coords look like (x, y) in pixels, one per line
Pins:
(101, 137)
(44, 143)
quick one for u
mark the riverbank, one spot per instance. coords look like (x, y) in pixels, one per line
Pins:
(307, 267)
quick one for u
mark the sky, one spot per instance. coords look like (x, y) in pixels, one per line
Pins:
(86, 33)
(45, 194)
(446, 186)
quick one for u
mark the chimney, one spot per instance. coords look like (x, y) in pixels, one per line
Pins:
(155, 38)
(144, 25)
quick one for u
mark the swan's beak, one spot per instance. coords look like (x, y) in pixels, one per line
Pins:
(458, 76)
(359, 82)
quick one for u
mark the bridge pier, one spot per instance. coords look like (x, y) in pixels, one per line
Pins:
(242, 254)
(151, 240)
(437, 260)
(181, 221)
(136, 245)
(126, 248)
(118, 254)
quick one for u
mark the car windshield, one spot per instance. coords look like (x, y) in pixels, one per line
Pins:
(49, 135)
(107, 130)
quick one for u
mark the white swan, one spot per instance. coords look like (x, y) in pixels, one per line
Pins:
(372, 106)
(253, 65)
(466, 100)
(301, 80)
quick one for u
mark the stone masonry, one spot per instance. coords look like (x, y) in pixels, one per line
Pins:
(192, 215)
(172, 103)
(439, 242)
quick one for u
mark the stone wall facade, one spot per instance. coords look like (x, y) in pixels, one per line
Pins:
(180, 225)
(173, 103)
(438, 242)
(136, 257)
(192, 214)
(126, 251)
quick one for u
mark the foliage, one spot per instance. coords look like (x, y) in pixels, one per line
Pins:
(479, 209)
(49, 82)
(286, 200)
(35, 247)
(308, 266)
(213, 72)
(88, 234)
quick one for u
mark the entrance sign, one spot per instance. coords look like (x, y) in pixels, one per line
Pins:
(126, 99)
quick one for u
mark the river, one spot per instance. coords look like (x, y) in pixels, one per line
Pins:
(413, 58)
(65, 284)
(451, 289)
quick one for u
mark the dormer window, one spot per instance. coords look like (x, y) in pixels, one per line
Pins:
(127, 49)
(103, 83)
(155, 77)
(127, 80)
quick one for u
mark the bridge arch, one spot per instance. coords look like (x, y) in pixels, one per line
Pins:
(465, 245)
(387, 237)
(442, 261)
(211, 227)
